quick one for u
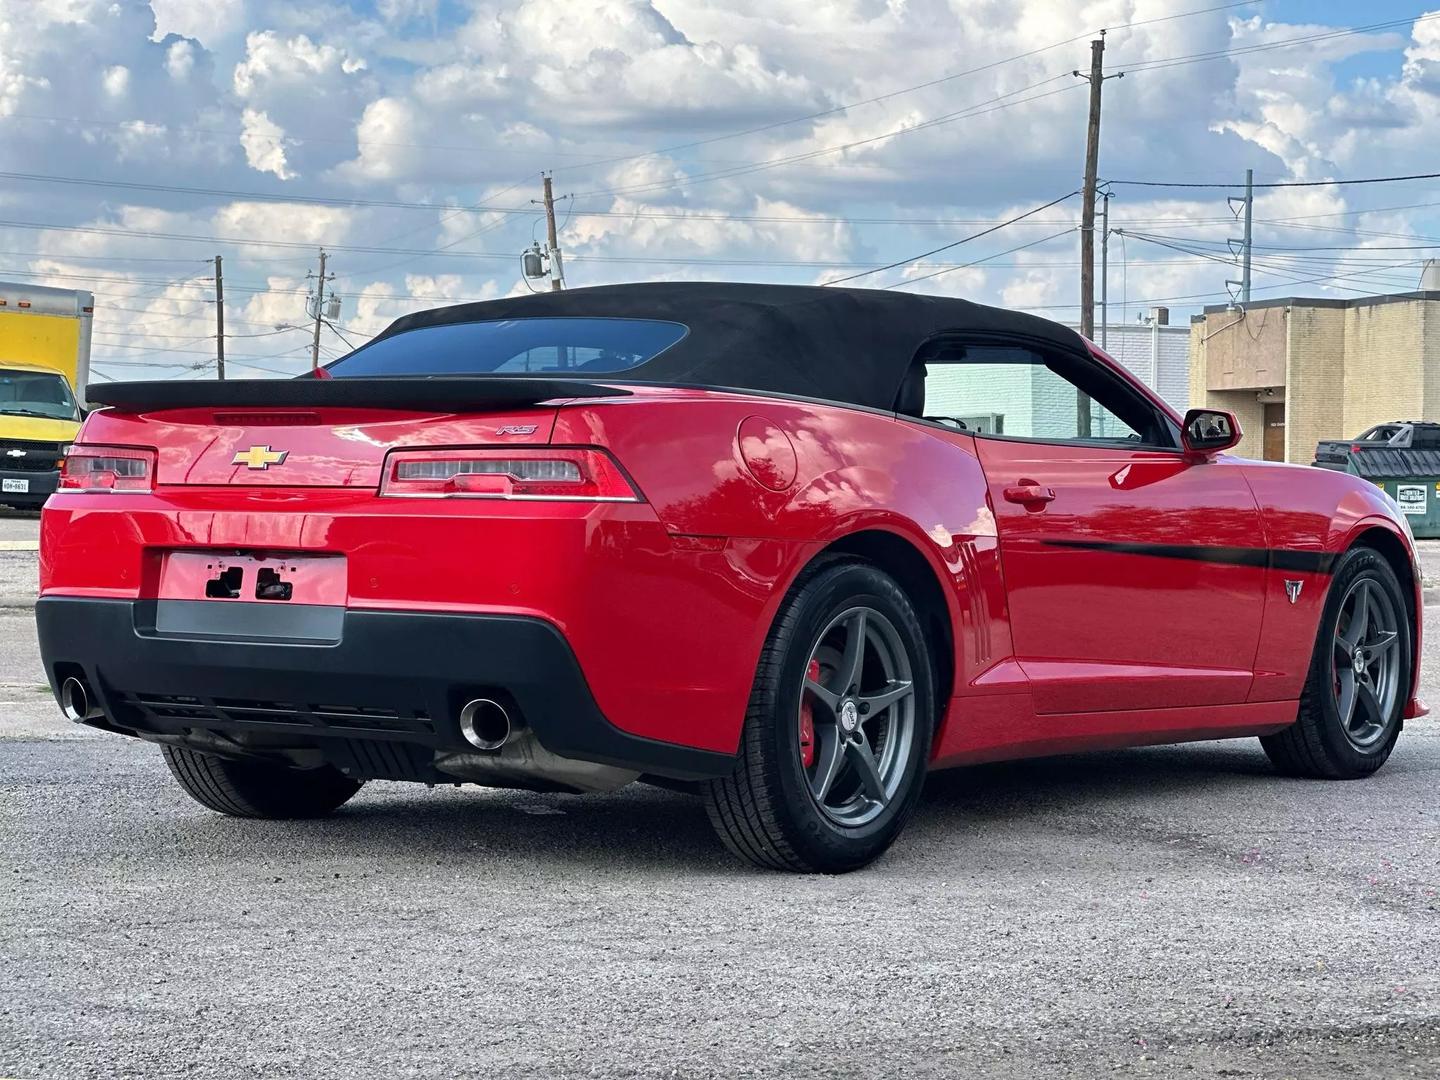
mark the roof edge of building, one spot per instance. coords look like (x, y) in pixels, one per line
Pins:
(1322, 302)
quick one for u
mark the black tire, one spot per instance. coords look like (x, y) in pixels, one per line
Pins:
(1316, 745)
(257, 789)
(765, 811)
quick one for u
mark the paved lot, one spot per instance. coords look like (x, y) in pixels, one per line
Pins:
(18, 535)
(1170, 911)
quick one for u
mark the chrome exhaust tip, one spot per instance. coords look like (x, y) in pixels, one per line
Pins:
(75, 701)
(485, 724)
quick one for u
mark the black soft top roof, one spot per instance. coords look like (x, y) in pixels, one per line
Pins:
(848, 345)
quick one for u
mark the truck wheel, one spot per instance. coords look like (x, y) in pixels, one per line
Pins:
(1359, 680)
(837, 735)
(257, 789)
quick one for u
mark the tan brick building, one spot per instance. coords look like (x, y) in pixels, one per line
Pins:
(1298, 371)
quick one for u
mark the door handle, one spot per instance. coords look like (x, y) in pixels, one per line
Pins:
(1029, 494)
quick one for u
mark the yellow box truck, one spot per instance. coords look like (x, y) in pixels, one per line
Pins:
(44, 369)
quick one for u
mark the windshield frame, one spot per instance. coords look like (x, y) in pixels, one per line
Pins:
(7, 409)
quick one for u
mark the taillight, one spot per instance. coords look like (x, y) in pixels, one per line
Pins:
(107, 468)
(576, 474)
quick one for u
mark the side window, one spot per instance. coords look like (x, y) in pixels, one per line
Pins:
(1019, 393)
(1425, 437)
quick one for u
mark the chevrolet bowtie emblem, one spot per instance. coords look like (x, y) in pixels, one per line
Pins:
(260, 457)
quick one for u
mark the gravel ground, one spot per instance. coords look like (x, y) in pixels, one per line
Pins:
(1166, 911)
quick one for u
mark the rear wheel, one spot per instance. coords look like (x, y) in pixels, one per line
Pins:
(838, 731)
(1359, 680)
(257, 789)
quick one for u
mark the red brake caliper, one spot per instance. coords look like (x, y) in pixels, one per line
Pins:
(807, 719)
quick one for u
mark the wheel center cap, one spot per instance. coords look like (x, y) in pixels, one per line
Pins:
(849, 717)
(1359, 662)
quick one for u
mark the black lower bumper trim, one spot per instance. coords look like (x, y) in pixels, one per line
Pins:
(39, 485)
(397, 676)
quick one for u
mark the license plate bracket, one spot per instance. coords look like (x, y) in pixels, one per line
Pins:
(230, 577)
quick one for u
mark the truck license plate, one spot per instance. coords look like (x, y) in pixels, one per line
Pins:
(15, 487)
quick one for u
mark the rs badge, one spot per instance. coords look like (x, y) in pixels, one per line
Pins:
(260, 457)
(1292, 590)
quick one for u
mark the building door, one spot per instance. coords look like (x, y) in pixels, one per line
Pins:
(1274, 449)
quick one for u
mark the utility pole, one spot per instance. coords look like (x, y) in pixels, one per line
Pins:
(1096, 78)
(1246, 243)
(1092, 170)
(219, 321)
(1105, 273)
(557, 269)
(319, 314)
(1249, 231)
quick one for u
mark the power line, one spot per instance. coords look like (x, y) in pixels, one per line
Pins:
(1220, 244)
(987, 259)
(482, 256)
(904, 90)
(451, 217)
(957, 243)
(1184, 296)
(1278, 184)
(994, 104)
(259, 290)
(1171, 61)
(335, 330)
(59, 257)
(479, 208)
(256, 196)
(1262, 266)
(1160, 63)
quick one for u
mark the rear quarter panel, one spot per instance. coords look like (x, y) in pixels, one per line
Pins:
(840, 471)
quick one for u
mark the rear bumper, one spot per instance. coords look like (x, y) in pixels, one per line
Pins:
(41, 486)
(384, 686)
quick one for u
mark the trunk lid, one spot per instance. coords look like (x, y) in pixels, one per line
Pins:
(321, 432)
(304, 448)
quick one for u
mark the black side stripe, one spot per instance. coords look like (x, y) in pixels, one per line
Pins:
(1308, 562)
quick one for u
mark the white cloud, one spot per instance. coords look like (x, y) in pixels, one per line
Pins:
(209, 22)
(116, 80)
(180, 60)
(403, 11)
(270, 59)
(264, 143)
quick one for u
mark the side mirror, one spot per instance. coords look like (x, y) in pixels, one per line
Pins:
(1209, 431)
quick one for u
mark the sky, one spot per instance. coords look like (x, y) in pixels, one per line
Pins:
(763, 140)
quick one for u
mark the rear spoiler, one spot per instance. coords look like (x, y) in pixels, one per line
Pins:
(441, 394)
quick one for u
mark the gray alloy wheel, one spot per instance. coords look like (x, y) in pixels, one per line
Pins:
(858, 709)
(1359, 679)
(837, 734)
(1366, 662)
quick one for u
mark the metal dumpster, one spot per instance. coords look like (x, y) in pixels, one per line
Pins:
(1410, 477)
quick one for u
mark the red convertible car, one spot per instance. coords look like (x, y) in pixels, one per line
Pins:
(789, 548)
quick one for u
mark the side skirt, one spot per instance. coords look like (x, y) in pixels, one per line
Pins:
(978, 731)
